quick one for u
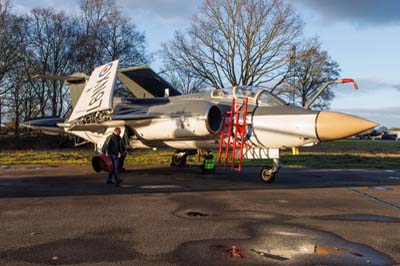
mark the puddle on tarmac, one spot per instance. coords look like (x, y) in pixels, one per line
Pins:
(159, 186)
(282, 245)
(196, 214)
(361, 218)
(380, 188)
(127, 186)
(233, 215)
(282, 201)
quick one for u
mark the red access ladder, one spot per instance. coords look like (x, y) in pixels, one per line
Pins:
(234, 127)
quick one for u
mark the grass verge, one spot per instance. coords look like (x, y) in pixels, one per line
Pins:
(338, 154)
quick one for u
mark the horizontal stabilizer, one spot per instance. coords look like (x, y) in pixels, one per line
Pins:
(47, 125)
(71, 78)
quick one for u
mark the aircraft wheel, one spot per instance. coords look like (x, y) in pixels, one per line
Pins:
(267, 174)
(178, 160)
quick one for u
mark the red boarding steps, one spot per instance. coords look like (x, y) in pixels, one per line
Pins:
(234, 126)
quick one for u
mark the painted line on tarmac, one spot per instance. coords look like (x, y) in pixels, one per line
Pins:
(387, 203)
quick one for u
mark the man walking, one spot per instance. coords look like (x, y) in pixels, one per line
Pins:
(121, 159)
(114, 149)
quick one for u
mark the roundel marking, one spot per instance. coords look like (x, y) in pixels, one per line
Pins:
(105, 70)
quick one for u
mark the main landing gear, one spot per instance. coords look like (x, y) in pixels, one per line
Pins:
(268, 174)
(178, 159)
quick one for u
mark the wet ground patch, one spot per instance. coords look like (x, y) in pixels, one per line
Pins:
(195, 214)
(379, 188)
(272, 239)
(272, 244)
(361, 218)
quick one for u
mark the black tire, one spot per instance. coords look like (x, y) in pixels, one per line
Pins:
(267, 175)
(177, 160)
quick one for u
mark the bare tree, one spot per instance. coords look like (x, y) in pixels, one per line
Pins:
(185, 80)
(238, 42)
(181, 77)
(309, 69)
(8, 42)
(104, 34)
(49, 51)
(53, 43)
(11, 47)
(122, 41)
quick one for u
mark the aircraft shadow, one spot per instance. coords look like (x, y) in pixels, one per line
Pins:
(190, 179)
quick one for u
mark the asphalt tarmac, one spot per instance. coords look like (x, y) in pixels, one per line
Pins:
(67, 215)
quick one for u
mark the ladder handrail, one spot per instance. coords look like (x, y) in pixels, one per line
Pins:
(230, 128)
(232, 144)
(244, 127)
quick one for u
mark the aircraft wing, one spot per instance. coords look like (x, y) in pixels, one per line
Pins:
(98, 92)
(143, 82)
(117, 121)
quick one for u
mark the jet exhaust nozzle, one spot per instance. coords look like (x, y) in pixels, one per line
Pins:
(214, 119)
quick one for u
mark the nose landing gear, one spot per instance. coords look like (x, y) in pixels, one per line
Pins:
(268, 174)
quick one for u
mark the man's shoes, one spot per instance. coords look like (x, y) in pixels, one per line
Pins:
(110, 182)
(119, 181)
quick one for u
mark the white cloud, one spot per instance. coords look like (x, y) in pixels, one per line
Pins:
(165, 9)
(25, 6)
(361, 12)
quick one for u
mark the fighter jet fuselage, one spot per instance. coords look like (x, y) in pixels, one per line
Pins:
(204, 120)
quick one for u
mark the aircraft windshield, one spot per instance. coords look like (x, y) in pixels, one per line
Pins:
(245, 92)
(254, 94)
(266, 98)
(220, 94)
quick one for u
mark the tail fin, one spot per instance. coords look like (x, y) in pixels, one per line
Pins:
(97, 95)
(76, 83)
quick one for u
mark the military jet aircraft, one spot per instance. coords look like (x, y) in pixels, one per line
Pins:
(241, 122)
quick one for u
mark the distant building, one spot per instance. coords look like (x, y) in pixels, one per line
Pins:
(395, 131)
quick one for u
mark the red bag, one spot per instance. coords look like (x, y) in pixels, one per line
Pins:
(102, 163)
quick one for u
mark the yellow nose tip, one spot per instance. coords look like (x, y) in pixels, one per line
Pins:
(332, 125)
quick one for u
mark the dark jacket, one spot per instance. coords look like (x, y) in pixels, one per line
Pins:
(114, 145)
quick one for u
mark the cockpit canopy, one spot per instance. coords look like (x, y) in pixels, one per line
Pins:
(256, 95)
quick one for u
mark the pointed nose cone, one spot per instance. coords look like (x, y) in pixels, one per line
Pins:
(332, 125)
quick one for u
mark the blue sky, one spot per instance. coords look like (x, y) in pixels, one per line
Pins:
(363, 36)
